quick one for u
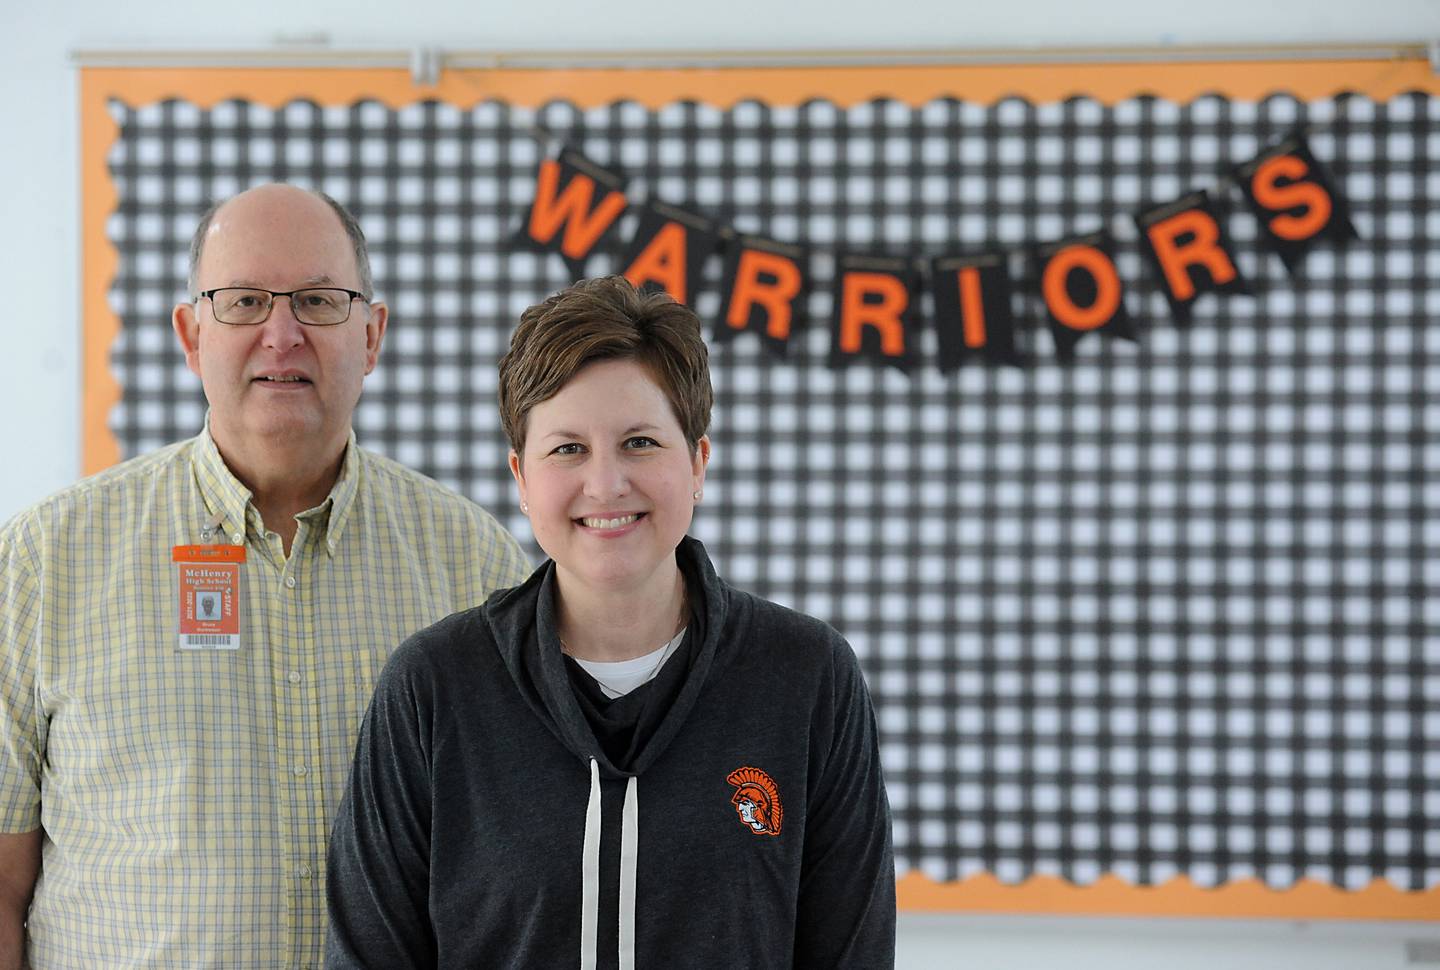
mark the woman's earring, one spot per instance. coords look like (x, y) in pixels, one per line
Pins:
(695, 495)
(524, 508)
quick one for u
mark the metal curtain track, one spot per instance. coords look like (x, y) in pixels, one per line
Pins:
(426, 63)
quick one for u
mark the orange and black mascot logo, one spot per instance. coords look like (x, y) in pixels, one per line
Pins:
(756, 800)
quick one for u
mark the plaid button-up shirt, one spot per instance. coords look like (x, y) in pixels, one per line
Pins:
(186, 795)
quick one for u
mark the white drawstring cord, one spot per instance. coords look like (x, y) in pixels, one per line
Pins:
(590, 874)
(629, 851)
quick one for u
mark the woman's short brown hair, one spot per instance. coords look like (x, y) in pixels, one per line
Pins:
(606, 319)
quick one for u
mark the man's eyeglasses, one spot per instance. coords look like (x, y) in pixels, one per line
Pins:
(244, 306)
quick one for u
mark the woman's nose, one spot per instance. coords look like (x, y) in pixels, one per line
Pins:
(605, 478)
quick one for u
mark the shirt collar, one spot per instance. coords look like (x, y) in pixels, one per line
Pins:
(342, 494)
(225, 497)
(229, 500)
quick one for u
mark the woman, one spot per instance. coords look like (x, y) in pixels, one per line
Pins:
(623, 761)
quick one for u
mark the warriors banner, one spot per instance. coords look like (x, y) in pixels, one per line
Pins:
(876, 298)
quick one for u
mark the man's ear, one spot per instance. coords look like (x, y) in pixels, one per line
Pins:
(375, 333)
(187, 330)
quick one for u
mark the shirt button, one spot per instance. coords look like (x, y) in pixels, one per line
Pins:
(238, 538)
(300, 771)
(289, 582)
(294, 677)
(305, 872)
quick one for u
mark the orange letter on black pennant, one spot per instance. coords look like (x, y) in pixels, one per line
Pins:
(1184, 241)
(1082, 290)
(763, 285)
(564, 215)
(1294, 199)
(669, 250)
(872, 310)
(972, 309)
(662, 261)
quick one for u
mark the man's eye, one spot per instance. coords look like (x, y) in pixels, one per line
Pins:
(245, 302)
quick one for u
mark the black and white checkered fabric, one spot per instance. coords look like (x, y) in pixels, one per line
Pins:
(1171, 609)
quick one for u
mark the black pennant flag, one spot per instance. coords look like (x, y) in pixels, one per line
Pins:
(973, 309)
(764, 287)
(576, 202)
(1294, 199)
(1186, 244)
(875, 310)
(669, 250)
(1081, 290)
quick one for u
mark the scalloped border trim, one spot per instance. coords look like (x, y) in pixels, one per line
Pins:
(1112, 896)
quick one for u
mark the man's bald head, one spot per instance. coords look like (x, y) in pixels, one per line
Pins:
(352, 231)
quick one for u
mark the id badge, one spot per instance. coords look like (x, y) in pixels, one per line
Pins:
(208, 584)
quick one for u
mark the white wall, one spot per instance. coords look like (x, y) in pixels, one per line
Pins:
(39, 269)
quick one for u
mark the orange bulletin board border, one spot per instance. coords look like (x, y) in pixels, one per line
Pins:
(1379, 78)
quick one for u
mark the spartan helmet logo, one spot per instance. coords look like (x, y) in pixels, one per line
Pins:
(756, 801)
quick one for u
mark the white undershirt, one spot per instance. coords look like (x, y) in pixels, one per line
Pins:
(619, 677)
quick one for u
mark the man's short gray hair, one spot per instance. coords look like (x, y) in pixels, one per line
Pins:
(352, 230)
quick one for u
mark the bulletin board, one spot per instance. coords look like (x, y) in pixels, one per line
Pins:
(1148, 610)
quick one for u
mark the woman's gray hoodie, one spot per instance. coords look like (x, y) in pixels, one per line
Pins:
(485, 826)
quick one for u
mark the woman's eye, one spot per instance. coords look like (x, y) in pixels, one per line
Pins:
(639, 441)
(570, 448)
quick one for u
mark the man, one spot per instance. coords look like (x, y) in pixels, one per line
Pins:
(167, 779)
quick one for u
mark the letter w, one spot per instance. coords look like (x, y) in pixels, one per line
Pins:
(571, 208)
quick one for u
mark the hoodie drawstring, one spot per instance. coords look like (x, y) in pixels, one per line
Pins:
(629, 849)
(590, 874)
